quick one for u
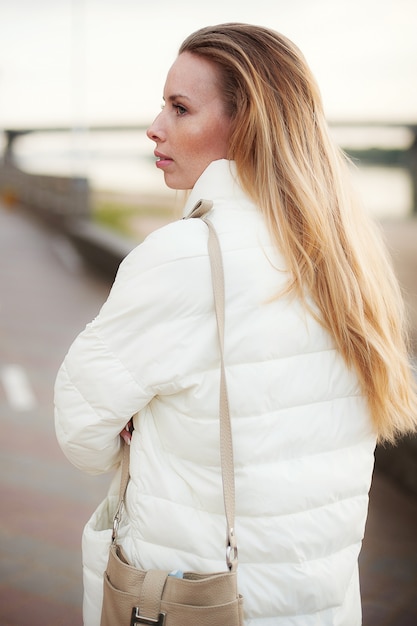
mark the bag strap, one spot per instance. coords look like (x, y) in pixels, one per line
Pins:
(226, 445)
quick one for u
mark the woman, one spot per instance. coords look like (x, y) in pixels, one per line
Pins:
(315, 352)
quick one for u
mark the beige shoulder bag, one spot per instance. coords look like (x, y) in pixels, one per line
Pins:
(133, 597)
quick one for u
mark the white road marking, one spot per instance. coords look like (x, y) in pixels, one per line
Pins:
(17, 388)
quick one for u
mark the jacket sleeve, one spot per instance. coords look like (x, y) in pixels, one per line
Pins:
(134, 349)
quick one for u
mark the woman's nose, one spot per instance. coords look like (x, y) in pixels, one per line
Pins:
(155, 132)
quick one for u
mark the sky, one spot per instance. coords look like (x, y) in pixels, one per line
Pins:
(86, 62)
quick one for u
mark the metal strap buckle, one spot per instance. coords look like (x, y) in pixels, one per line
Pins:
(231, 551)
(116, 521)
(139, 619)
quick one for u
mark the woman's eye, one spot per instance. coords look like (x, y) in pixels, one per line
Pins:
(180, 109)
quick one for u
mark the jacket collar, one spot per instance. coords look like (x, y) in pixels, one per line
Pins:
(219, 180)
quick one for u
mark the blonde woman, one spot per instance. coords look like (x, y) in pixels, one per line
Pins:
(315, 345)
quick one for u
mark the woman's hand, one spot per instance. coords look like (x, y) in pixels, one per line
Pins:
(126, 433)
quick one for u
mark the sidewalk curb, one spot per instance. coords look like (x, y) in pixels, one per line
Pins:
(100, 247)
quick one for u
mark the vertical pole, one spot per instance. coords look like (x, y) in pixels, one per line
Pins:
(413, 169)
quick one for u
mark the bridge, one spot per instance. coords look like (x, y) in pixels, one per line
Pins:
(405, 158)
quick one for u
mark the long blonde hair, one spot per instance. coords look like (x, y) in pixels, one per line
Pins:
(288, 164)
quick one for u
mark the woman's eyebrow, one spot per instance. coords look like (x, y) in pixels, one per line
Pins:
(175, 96)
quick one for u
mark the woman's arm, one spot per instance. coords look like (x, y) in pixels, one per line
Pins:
(136, 347)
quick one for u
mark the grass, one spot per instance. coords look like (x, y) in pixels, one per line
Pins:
(123, 215)
(114, 216)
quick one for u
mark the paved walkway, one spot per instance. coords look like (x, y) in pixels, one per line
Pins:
(46, 297)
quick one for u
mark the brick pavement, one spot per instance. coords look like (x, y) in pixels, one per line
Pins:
(46, 297)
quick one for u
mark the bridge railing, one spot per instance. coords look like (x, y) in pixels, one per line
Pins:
(53, 197)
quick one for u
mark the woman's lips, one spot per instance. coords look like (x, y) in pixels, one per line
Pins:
(162, 160)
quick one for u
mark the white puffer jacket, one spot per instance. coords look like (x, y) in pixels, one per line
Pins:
(302, 434)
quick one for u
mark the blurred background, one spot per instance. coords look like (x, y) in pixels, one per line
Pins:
(80, 64)
(80, 80)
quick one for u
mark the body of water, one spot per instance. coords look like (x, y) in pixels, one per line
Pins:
(123, 162)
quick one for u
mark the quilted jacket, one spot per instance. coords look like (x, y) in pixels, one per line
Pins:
(303, 440)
